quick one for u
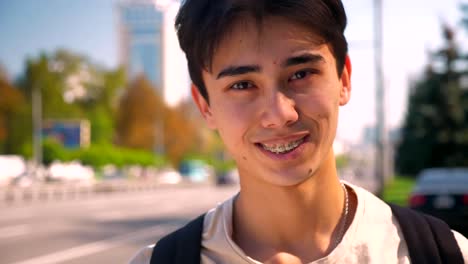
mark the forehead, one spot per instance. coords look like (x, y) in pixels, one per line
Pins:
(248, 39)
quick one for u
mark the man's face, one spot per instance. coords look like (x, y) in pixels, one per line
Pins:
(274, 98)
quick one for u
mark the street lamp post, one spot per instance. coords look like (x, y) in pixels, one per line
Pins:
(37, 125)
(380, 136)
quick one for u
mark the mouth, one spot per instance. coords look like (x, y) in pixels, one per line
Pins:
(281, 148)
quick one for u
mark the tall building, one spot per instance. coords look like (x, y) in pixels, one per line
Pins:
(140, 25)
(149, 46)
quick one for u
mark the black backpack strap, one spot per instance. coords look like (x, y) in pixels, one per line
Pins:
(449, 249)
(182, 246)
(429, 240)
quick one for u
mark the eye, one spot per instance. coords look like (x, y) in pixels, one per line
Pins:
(300, 75)
(242, 86)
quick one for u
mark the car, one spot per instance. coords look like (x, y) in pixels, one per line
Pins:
(443, 193)
(196, 171)
(169, 176)
(69, 172)
(230, 177)
(11, 167)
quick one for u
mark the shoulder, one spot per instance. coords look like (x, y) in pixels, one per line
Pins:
(167, 247)
(375, 227)
(463, 244)
(182, 244)
(143, 256)
(412, 225)
(371, 208)
(164, 249)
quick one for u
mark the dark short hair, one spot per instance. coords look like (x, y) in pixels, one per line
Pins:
(202, 24)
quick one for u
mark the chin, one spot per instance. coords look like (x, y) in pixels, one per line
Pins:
(289, 178)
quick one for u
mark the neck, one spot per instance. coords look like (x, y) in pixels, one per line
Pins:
(305, 218)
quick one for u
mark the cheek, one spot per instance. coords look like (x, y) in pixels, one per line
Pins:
(320, 109)
(232, 121)
(317, 106)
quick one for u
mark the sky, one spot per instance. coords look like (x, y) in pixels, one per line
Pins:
(89, 27)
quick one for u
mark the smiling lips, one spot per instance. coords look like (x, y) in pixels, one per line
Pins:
(282, 148)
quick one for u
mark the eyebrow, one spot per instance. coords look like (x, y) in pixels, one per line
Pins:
(303, 58)
(292, 61)
(238, 70)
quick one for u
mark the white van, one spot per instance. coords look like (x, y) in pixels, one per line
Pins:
(11, 166)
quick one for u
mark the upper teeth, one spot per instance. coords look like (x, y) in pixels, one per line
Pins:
(280, 148)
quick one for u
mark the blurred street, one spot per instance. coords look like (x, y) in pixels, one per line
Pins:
(105, 229)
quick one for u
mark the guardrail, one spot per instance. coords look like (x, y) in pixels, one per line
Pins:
(60, 192)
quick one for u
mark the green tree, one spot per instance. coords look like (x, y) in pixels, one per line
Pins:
(435, 132)
(72, 87)
(46, 75)
(11, 105)
(101, 109)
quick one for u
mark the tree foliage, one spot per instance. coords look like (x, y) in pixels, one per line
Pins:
(180, 134)
(3, 73)
(71, 87)
(100, 155)
(137, 115)
(435, 132)
(144, 121)
(11, 104)
(132, 116)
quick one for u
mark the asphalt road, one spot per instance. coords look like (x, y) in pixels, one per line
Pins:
(109, 228)
(106, 229)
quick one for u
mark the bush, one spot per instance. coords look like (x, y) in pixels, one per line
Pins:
(53, 150)
(399, 190)
(98, 156)
(342, 161)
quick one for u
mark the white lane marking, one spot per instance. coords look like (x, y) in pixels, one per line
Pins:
(12, 231)
(94, 247)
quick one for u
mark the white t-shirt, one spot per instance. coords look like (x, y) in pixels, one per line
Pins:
(374, 236)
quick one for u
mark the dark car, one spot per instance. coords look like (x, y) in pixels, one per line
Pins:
(196, 170)
(443, 193)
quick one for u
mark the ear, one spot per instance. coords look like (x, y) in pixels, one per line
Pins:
(345, 92)
(203, 106)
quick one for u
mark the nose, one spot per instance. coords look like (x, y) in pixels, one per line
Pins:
(280, 110)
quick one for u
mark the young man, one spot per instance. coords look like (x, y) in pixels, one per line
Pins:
(270, 77)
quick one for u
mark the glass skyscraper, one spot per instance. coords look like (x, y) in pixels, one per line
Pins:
(140, 26)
